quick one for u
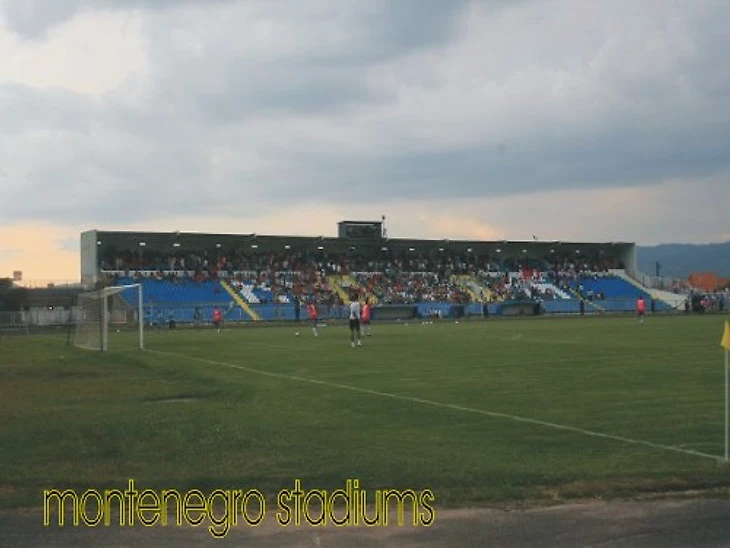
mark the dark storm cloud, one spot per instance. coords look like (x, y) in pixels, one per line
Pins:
(388, 25)
(33, 18)
(324, 70)
(533, 167)
(405, 25)
(291, 90)
(252, 106)
(506, 169)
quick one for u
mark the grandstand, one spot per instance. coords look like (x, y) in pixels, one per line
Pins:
(263, 277)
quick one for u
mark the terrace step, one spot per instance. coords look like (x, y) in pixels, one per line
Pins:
(240, 301)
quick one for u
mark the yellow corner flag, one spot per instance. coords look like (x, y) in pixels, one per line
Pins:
(725, 343)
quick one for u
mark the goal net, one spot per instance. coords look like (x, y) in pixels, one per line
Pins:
(110, 318)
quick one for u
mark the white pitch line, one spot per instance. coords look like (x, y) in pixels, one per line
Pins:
(453, 407)
(697, 444)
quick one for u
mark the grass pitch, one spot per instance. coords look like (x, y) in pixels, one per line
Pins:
(443, 406)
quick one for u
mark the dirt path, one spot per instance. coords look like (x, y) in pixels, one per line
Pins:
(627, 524)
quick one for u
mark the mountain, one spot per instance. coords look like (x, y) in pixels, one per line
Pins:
(680, 260)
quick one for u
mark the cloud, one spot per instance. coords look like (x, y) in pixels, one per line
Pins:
(32, 19)
(243, 110)
(91, 54)
(46, 251)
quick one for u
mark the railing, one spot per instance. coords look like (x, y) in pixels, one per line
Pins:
(279, 312)
(288, 311)
(38, 317)
(11, 320)
(201, 313)
(664, 283)
(50, 283)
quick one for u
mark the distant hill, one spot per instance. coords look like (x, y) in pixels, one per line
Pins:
(680, 260)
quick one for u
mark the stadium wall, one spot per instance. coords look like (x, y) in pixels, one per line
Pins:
(186, 313)
(89, 258)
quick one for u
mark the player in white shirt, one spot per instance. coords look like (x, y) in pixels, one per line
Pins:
(355, 322)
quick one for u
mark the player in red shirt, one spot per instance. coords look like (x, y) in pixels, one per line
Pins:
(365, 318)
(217, 318)
(313, 317)
(640, 309)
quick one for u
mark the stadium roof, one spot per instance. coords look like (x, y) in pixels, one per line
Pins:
(170, 241)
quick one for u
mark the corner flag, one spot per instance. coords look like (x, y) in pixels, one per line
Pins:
(725, 343)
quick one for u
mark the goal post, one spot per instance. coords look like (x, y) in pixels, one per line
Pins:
(117, 310)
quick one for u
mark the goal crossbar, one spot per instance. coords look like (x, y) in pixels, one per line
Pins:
(94, 315)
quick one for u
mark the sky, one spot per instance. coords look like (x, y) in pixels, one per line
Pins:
(606, 120)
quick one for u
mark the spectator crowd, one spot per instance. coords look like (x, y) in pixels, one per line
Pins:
(403, 277)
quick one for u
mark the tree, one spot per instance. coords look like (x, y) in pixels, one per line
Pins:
(12, 298)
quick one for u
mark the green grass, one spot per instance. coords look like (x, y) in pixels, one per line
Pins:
(80, 419)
